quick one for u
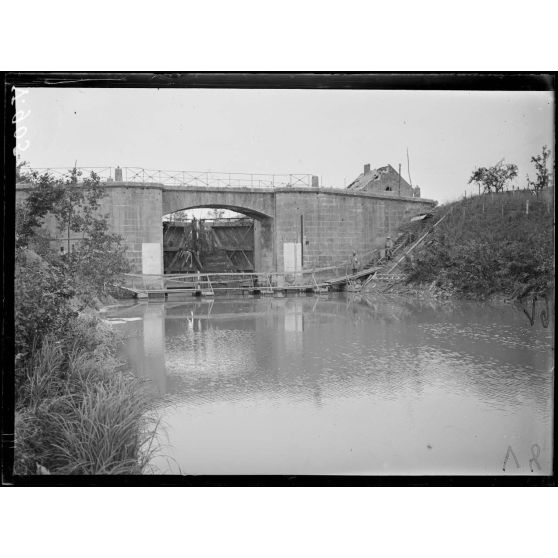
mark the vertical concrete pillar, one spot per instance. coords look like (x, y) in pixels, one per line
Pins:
(135, 213)
(263, 245)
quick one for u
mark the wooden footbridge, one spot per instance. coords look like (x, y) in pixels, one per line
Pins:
(208, 284)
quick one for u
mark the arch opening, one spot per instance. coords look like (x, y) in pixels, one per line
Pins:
(214, 239)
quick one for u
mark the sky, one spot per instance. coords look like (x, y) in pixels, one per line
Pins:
(329, 133)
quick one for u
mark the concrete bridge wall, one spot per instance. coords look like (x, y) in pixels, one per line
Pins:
(336, 222)
(326, 224)
(134, 212)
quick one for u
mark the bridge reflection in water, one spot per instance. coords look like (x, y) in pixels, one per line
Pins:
(343, 384)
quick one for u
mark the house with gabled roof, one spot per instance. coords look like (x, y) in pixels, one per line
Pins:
(383, 179)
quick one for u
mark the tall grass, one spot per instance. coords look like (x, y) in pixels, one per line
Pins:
(77, 412)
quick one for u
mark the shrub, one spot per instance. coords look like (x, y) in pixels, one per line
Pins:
(42, 301)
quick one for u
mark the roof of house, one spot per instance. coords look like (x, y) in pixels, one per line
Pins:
(365, 179)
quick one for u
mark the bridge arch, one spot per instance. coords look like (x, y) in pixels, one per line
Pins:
(258, 204)
(253, 214)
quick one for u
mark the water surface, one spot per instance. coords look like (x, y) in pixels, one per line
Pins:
(344, 384)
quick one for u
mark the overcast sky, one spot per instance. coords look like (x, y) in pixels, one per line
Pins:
(328, 133)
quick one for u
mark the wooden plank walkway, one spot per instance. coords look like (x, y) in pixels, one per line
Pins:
(351, 277)
(202, 285)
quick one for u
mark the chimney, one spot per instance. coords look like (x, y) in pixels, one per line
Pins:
(367, 168)
(118, 174)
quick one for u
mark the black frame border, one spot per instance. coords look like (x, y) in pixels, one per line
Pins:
(449, 81)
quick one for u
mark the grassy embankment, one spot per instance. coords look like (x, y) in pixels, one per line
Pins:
(487, 245)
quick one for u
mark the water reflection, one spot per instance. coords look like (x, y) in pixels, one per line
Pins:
(327, 384)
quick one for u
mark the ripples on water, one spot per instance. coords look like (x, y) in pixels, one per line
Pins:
(343, 384)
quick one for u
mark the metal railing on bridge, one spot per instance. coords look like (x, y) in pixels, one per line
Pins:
(185, 178)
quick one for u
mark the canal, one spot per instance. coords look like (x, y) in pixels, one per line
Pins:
(343, 384)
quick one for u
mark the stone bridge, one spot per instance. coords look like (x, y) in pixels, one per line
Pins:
(295, 228)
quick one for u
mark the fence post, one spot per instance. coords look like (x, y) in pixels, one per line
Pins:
(527, 207)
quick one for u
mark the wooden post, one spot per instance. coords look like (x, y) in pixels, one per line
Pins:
(527, 207)
(399, 193)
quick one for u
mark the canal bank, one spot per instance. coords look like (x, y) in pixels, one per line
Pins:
(492, 245)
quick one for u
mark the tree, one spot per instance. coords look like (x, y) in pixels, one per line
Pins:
(494, 178)
(542, 175)
(216, 213)
(74, 206)
(22, 174)
(180, 215)
(99, 258)
(31, 213)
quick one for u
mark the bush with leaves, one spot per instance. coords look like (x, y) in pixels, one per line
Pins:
(99, 261)
(42, 301)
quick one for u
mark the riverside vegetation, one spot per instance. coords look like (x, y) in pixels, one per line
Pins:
(78, 410)
(500, 243)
